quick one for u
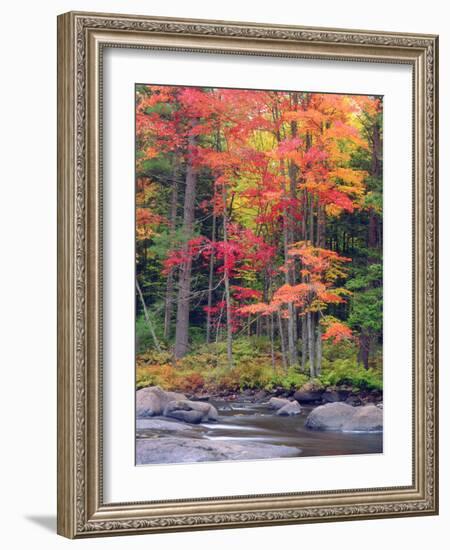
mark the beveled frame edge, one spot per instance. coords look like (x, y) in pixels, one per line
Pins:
(81, 511)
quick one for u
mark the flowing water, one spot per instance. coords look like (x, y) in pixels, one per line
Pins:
(244, 421)
(256, 422)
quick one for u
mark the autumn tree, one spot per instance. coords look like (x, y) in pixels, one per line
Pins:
(259, 213)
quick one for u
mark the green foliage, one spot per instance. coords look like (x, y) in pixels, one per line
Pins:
(346, 349)
(349, 372)
(143, 336)
(156, 166)
(292, 380)
(207, 369)
(144, 340)
(366, 311)
(372, 275)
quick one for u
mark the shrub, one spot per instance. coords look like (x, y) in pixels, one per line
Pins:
(191, 382)
(207, 369)
(156, 375)
(348, 372)
(345, 349)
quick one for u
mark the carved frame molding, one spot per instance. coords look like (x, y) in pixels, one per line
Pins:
(81, 39)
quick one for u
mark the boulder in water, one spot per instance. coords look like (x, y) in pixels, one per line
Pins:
(329, 417)
(290, 409)
(344, 417)
(365, 419)
(152, 400)
(278, 402)
(178, 408)
(191, 416)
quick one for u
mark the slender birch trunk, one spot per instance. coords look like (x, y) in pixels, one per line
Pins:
(169, 300)
(272, 344)
(227, 282)
(304, 343)
(184, 284)
(282, 342)
(210, 281)
(312, 370)
(291, 329)
(318, 367)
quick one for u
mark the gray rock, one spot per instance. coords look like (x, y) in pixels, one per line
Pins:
(290, 409)
(191, 416)
(344, 417)
(159, 424)
(169, 450)
(308, 396)
(353, 400)
(278, 402)
(208, 410)
(365, 419)
(343, 392)
(205, 410)
(331, 416)
(260, 396)
(331, 396)
(203, 397)
(152, 400)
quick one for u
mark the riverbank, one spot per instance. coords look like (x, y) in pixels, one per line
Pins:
(308, 394)
(205, 371)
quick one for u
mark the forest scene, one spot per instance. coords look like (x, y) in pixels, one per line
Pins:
(259, 274)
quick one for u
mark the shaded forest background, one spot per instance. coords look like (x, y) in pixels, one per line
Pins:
(258, 239)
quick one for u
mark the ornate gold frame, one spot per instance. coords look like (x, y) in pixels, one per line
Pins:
(81, 510)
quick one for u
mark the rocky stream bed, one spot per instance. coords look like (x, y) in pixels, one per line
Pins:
(173, 429)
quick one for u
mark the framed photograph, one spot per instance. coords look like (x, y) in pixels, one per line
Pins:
(247, 282)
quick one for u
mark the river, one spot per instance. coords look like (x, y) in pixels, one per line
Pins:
(246, 422)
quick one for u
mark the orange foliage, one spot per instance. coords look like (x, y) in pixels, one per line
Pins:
(337, 332)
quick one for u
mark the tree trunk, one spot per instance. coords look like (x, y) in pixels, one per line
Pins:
(292, 344)
(376, 172)
(318, 348)
(364, 349)
(373, 229)
(287, 234)
(311, 219)
(272, 345)
(304, 343)
(293, 179)
(226, 277)
(282, 343)
(184, 283)
(376, 150)
(321, 227)
(210, 282)
(219, 320)
(292, 237)
(309, 321)
(304, 213)
(168, 309)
